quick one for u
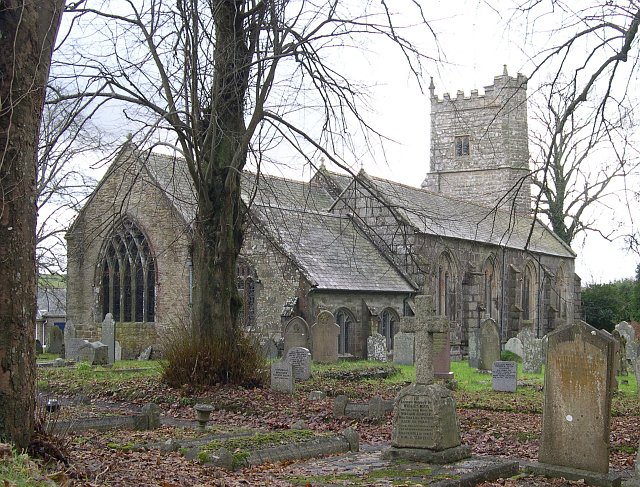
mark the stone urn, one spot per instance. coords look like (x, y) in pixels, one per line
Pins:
(203, 414)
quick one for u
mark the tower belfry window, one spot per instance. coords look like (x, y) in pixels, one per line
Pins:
(462, 145)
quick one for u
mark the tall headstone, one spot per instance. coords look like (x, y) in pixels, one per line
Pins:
(282, 376)
(300, 360)
(504, 376)
(55, 342)
(109, 336)
(403, 348)
(442, 356)
(474, 346)
(532, 351)
(578, 386)
(425, 425)
(324, 334)
(295, 334)
(489, 344)
(377, 348)
(629, 333)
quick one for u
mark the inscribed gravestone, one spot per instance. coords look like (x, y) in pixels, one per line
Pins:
(296, 334)
(109, 336)
(403, 348)
(627, 331)
(474, 346)
(504, 376)
(442, 356)
(489, 344)
(324, 334)
(514, 345)
(532, 351)
(377, 348)
(55, 341)
(282, 377)
(425, 425)
(300, 360)
(578, 385)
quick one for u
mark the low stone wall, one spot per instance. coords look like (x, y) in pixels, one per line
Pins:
(134, 338)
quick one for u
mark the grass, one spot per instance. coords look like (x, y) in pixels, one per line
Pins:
(18, 470)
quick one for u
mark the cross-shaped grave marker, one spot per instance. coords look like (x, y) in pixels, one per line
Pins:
(424, 324)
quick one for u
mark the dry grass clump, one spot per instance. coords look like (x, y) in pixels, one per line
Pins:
(191, 361)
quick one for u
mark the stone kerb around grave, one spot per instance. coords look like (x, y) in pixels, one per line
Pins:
(324, 335)
(578, 385)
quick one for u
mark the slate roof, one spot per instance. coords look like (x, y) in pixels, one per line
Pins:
(51, 301)
(332, 253)
(435, 214)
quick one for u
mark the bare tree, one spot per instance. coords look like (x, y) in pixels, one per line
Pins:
(28, 33)
(67, 136)
(597, 52)
(229, 80)
(574, 174)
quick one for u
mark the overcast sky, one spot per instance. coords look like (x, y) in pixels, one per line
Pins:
(476, 39)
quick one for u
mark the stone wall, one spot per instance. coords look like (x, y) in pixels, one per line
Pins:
(134, 338)
(127, 191)
(496, 126)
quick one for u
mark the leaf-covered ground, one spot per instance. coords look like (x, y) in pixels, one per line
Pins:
(496, 424)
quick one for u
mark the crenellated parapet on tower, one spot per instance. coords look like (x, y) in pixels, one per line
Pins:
(479, 145)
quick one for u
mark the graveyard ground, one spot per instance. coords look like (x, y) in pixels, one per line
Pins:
(492, 423)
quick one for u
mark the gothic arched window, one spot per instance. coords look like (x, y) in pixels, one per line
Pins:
(388, 322)
(345, 320)
(490, 288)
(446, 289)
(128, 275)
(529, 292)
(247, 278)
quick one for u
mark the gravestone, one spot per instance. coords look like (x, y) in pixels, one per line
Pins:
(504, 376)
(96, 353)
(300, 360)
(621, 353)
(489, 344)
(72, 347)
(377, 348)
(532, 351)
(578, 386)
(296, 334)
(55, 341)
(269, 349)
(425, 425)
(146, 353)
(629, 333)
(324, 334)
(109, 336)
(514, 345)
(474, 346)
(442, 356)
(282, 377)
(403, 348)
(118, 351)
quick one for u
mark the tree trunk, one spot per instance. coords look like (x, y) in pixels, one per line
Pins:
(27, 35)
(218, 229)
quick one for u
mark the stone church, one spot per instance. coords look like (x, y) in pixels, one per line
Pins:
(356, 245)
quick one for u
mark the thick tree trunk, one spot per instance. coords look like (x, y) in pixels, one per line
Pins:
(218, 226)
(27, 34)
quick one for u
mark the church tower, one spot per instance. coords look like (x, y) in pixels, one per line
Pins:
(479, 145)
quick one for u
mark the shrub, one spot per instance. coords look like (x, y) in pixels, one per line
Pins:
(192, 361)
